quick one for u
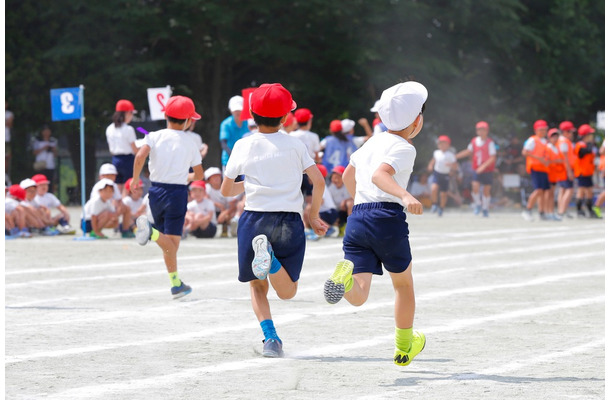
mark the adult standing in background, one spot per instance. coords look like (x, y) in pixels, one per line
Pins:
(232, 128)
(44, 148)
(121, 139)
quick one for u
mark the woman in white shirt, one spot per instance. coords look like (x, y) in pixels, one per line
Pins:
(121, 139)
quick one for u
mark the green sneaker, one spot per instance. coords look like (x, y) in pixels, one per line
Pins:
(403, 359)
(335, 286)
(597, 211)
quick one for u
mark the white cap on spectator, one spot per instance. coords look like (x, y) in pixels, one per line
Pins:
(347, 125)
(211, 171)
(375, 107)
(236, 103)
(400, 104)
(27, 183)
(108, 169)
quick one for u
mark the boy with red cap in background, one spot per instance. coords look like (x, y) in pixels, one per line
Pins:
(536, 155)
(483, 152)
(377, 232)
(135, 201)
(48, 201)
(172, 153)
(341, 196)
(442, 163)
(37, 216)
(337, 147)
(584, 170)
(271, 236)
(200, 220)
(566, 186)
(14, 213)
(328, 212)
(557, 170)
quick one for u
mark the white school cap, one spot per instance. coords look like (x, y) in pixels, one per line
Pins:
(108, 169)
(236, 103)
(211, 172)
(400, 104)
(375, 107)
(347, 125)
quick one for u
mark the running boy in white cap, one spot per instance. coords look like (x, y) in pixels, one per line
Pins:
(273, 164)
(172, 153)
(377, 232)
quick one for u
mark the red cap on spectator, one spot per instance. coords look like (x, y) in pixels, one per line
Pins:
(40, 178)
(322, 169)
(339, 169)
(567, 126)
(444, 138)
(289, 119)
(124, 105)
(303, 115)
(585, 129)
(199, 184)
(271, 100)
(181, 107)
(552, 131)
(335, 126)
(482, 124)
(540, 124)
(17, 192)
(128, 184)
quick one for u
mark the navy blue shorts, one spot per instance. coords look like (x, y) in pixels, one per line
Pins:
(285, 232)
(208, 232)
(377, 233)
(124, 167)
(442, 180)
(585, 181)
(88, 227)
(330, 216)
(567, 184)
(540, 180)
(484, 178)
(168, 206)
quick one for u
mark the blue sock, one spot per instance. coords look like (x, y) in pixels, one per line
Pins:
(269, 330)
(63, 222)
(275, 264)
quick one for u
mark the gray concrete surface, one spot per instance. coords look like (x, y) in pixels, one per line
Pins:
(511, 310)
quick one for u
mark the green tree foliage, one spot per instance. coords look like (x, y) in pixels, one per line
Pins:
(506, 61)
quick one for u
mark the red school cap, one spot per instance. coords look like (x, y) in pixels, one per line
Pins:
(335, 126)
(40, 179)
(567, 126)
(482, 124)
(124, 106)
(199, 184)
(271, 100)
(444, 138)
(585, 129)
(17, 192)
(128, 184)
(181, 107)
(322, 169)
(540, 124)
(339, 169)
(303, 115)
(552, 131)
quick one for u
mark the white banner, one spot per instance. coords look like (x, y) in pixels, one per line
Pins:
(157, 98)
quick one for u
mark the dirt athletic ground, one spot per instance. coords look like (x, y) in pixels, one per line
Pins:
(511, 310)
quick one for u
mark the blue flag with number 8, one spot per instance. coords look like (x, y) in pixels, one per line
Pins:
(65, 104)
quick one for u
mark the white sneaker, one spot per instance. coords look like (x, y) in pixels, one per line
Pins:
(527, 215)
(261, 264)
(233, 226)
(144, 230)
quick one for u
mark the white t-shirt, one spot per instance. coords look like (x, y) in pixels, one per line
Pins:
(47, 156)
(49, 200)
(310, 139)
(327, 201)
(273, 165)
(97, 206)
(385, 148)
(216, 196)
(120, 139)
(479, 142)
(196, 138)
(443, 161)
(172, 153)
(7, 131)
(338, 194)
(10, 205)
(134, 205)
(204, 207)
(530, 143)
(95, 191)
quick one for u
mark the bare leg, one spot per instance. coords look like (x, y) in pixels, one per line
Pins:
(359, 293)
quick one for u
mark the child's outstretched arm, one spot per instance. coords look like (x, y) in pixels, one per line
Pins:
(229, 188)
(382, 178)
(318, 225)
(349, 180)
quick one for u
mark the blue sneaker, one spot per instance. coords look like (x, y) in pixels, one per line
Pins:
(477, 210)
(440, 212)
(272, 348)
(181, 291)
(49, 231)
(485, 213)
(434, 209)
(261, 264)
(332, 232)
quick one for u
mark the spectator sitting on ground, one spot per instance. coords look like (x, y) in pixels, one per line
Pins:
(226, 207)
(100, 212)
(200, 220)
(420, 189)
(14, 213)
(109, 171)
(37, 218)
(135, 200)
(48, 201)
(341, 196)
(328, 213)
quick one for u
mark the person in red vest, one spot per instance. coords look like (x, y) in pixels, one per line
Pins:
(584, 170)
(601, 199)
(536, 155)
(566, 187)
(557, 169)
(483, 151)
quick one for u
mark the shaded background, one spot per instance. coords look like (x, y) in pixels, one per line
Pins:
(509, 62)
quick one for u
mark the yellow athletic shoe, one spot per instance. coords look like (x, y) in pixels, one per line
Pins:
(339, 282)
(403, 359)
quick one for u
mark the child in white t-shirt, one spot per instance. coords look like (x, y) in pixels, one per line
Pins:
(109, 171)
(37, 217)
(50, 202)
(442, 163)
(270, 236)
(99, 210)
(328, 212)
(135, 201)
(200, 218)
(14, 213)
(377, 232)
(226, 207)
(341, 196)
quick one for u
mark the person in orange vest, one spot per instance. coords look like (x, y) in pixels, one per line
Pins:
(566, 187)
(536, 155)
(584, 170)
(483, 151)
(601, 199)
(557, 169)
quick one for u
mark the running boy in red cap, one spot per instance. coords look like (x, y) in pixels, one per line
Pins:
(172, 153)
(377, 233)
(270, 236)
(441, 164)
(557, 170)
(566, 187)
(483, 151)
(584, 170)
(536, 155)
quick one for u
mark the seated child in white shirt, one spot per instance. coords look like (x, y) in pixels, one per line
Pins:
(200, 220)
